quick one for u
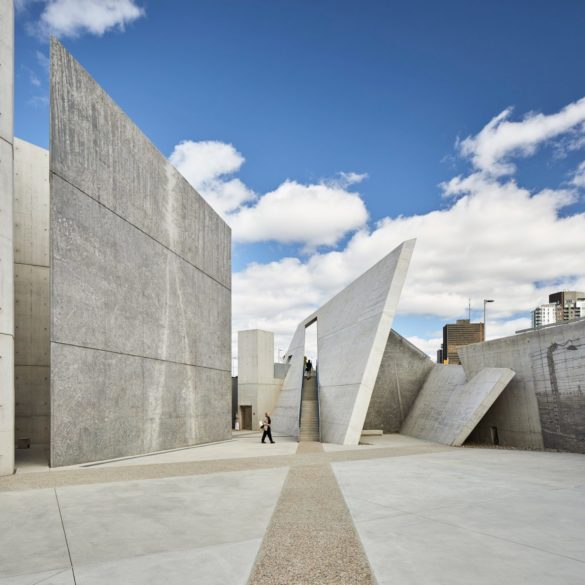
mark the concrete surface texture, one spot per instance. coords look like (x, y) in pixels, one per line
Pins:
(470, 516)
(544, 405)
(352, 331)
(402, 373)
(140, 287)
(398, 511)
(258, 387)
(449, 406)
(31, 292)
(6, 237)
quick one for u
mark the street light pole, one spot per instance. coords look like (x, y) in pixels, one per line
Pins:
(485, 302)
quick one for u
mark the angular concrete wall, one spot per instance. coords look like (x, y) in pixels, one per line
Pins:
(544, 405)
(402, 373)
(140, 287)
(31, 293)
(6, 238)
(449, 406)
(352, 331)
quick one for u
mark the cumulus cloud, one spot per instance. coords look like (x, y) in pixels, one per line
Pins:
(209, 166)
(315, 215)
(496, 240)
(72, 18)
(312, 215)
(501, 139)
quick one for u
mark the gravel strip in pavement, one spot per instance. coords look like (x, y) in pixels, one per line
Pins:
(306, 456)
(311, 538)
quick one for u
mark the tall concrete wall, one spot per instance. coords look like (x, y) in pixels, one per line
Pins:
(140, 287)
(6, 238)
(449, 406)
(544, 405)
(352, 331)
(402, 373)
(257, 385)
(31, 293)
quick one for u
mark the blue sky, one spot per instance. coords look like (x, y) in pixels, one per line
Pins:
(304, 91)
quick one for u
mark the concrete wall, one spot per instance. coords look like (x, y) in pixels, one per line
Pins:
(352, 331)
(6, 238)
(544, 405)
(449, 406)
(257, 385)
(140, 287)
(402, 373)
(31, 294)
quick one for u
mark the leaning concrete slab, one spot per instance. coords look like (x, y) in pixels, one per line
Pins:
(544, 405)
(6, 238)
(140, 287)
(449, 407)
(352, 331)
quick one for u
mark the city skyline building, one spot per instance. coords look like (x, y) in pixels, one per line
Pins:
(544, 315)
(456, 335)
(562, 306)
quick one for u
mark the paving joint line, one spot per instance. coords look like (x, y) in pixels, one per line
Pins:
(65, 536)
(474, 530)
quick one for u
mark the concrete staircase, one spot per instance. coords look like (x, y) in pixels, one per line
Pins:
(309, 430)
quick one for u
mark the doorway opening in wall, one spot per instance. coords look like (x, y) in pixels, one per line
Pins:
(311, 347)
(246, 417)
(495, 438)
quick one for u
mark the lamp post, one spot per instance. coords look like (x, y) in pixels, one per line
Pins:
(485, 302)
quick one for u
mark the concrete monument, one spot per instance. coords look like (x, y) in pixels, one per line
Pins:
(448, 407)
(259, 378)
(544, 405)
(140, 287)
(352, 332)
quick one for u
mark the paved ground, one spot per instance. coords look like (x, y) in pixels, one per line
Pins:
(396, 511)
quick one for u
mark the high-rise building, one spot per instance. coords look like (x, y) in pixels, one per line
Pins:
(544, 315)
(458, 334)
(561, 307)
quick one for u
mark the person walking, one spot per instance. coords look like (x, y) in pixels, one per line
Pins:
(308, 368)
(266, 426)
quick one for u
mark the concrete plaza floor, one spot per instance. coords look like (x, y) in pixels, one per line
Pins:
(397, 510)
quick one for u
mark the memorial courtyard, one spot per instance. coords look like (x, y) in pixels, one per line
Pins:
(394, 510)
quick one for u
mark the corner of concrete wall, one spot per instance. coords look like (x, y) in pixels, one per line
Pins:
(31, 292)
(401, 376)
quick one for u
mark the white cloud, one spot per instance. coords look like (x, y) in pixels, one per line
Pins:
(315, 215)
(497, 240)
(312, 215)
(578, 179)
(428, 345)
(491, 149)
(347, 179)
(72, 18)
(208, 166)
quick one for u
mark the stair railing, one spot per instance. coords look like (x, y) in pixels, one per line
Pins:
(318, 398)
(301, 401)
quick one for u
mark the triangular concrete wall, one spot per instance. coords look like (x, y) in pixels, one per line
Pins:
(352, 330)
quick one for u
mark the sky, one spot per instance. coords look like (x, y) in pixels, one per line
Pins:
(326, 132)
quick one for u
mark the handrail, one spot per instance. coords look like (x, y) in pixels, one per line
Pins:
(318, 398)
(301, 402)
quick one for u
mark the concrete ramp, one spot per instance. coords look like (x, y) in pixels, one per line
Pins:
(449, 407)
